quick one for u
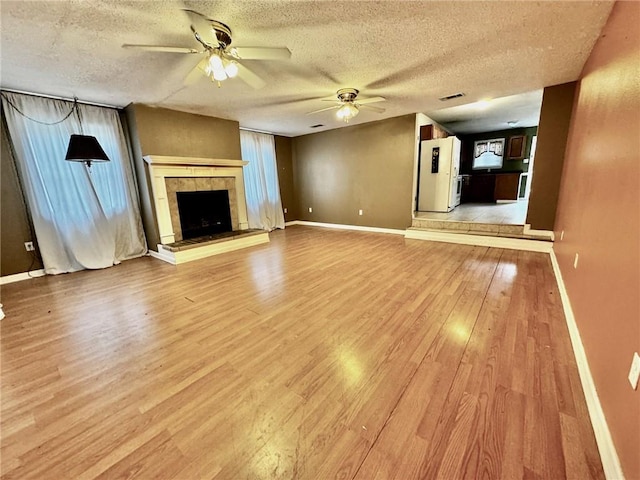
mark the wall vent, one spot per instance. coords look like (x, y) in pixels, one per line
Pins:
(451, 97)
(317, 125)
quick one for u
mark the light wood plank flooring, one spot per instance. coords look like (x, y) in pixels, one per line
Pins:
(502, 213)
(325, 354)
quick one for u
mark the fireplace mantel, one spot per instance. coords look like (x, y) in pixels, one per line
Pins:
(162, 167)
(194, 161)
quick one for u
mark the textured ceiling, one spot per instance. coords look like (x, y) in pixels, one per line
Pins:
(412, 53)
(521, 110)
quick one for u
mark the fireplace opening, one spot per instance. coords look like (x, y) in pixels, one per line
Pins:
(204, 213)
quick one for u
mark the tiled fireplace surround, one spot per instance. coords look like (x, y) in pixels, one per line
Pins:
(199, 184)
(170, 175)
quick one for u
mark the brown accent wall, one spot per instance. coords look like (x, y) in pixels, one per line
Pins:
(169, 132)
(14, 224)
(553, 129)
(599, 212)
(160, 131)
(367, 166)
(284, 160)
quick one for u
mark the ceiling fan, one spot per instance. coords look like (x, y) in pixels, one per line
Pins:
(347, 105)
(219, 61)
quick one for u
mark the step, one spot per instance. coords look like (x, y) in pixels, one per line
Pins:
(475, 228)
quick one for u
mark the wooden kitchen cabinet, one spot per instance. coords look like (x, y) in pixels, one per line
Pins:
(506, 186)
(478, 188)
(432, 132)
(516, 147)
(489, 187)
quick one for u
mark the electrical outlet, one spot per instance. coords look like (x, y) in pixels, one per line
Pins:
(310, 210)
(562, 235)
(575, 261)
(29, 246)
(634, 373)
(285, 209)
(359, 212)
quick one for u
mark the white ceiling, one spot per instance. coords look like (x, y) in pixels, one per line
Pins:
(412, 53)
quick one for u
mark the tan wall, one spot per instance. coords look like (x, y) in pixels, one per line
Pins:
(555, 116)
(14, 224)
(284, 160)
(168, 132)
(367, 166)
(600, 214)
(160, 131)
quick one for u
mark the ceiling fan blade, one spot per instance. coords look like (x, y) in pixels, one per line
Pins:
(196, 72)
(370, 107)
(249, 77)
(202, 24)
(365, 101)
(323, 109)
(330, 100)
(160, 48)
(262, 53)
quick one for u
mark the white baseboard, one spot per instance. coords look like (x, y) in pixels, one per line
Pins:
(161, 256)
(460, 238)
(480, 240)
(339, 226)
(608, 454)
(542, 233)
(18, 277)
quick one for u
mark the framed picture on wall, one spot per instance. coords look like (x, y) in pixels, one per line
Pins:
(516, 147)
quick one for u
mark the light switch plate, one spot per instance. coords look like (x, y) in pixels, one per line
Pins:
(634, 373)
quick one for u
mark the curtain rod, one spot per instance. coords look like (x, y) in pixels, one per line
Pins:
(54, 97)
(256, 131)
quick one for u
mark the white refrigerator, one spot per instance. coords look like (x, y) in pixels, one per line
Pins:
(439, 181)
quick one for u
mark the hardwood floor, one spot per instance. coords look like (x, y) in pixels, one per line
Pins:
(325, 354)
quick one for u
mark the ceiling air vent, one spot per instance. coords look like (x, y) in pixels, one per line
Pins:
(317, 125)
(451, 97)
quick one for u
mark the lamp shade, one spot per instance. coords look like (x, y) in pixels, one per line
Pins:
(85, 148)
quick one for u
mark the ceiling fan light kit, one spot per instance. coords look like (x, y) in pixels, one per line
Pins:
(220, 61)
(348, 107)
(219, 68)
(231, 69)
(347, 112)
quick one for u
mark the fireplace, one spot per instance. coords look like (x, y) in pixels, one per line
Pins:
(172, 178)
(169, 175)
(204, 213)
